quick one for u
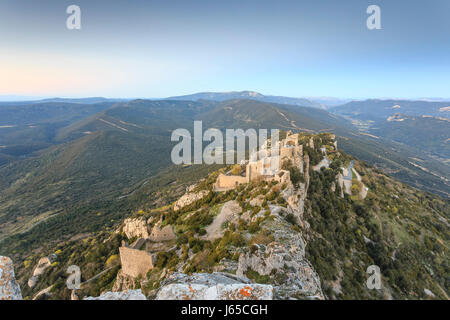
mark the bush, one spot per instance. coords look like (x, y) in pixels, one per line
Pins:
(236, 170)
(291, 218)
(254, 227)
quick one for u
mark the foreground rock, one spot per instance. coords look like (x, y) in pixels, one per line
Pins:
(215, 286)
(9, 289)
(124, 295)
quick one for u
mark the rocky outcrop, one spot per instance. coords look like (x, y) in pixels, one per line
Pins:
(282, 261)
(73, 296)
(295, 197)
(135, 227)
(123, 282)
(41, 266)
(189, 198)
(123, 295)
(257, 201)
(9, 289)
(215, 286)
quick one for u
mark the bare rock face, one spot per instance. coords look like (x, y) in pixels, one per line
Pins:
(124, 295)
(123, 282)
(215, 286)
(282, 261)
(9, 289)
(257, 201)
(73, 296)
(189, 198)
(135, 227)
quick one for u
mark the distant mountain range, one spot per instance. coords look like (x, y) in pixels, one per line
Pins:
(92, 100)
(222, 96)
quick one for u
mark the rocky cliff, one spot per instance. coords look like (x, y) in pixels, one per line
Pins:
(9, 289)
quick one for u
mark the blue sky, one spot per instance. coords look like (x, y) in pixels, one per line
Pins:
(161, 48)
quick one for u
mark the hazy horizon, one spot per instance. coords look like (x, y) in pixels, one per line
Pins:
(24, 98)
(154, 49)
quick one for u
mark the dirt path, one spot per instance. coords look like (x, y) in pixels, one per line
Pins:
(363, 192)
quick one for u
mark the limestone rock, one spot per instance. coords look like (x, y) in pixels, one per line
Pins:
(215, 286)
(189, 198)
(135, 227)
(257, 201)
(9, 289)
(123, 282)
(428, 292)
(123, 295)
(283, 260)
(73, 296)
(41, 266)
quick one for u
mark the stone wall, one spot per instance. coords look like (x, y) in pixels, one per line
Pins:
(135, 262)
(228, 182)
(264, 166)
(164, 234)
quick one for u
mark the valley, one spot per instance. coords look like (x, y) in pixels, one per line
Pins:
(98, 168)
(264, 239)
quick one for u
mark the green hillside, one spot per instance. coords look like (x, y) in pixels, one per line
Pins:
(402, 230)
(100, 159)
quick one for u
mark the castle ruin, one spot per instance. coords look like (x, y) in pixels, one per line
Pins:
(266, 164)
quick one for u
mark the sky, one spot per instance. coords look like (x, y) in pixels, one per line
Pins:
(153, 49)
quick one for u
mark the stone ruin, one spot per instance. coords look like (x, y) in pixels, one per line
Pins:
(264, 165)
(136, 262)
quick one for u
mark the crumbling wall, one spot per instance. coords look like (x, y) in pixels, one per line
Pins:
(164, 234)
(229, 182)
(135, 262)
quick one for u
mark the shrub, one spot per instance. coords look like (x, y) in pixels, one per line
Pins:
(291, 218)
(254, 227)
(112, 260)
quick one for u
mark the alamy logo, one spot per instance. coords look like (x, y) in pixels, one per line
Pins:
(374, 20)
(259, 145)
(73, 282)
(73, 22)
(374, 281)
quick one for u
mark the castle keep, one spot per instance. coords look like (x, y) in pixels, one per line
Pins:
(266, 164)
